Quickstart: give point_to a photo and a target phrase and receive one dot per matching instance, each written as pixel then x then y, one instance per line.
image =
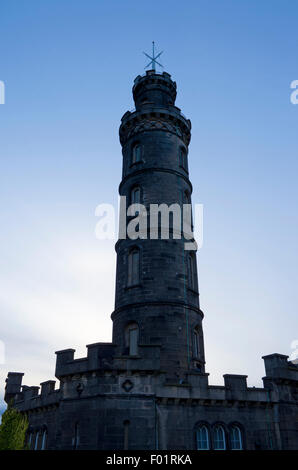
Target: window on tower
pixel 136 153
pixel 183 158
pixel 196 343
pixel 133 277
pixel 132 339
pixel 135 195
pixel 191 268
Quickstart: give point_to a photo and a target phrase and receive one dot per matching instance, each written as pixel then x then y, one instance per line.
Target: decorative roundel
pixel 127 385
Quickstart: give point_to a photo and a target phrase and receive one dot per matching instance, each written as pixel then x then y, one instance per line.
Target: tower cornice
pixel 187 306
pixel 155 169
pixel 151 118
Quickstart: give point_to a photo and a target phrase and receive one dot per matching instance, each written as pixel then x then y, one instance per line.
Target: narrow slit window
pixel 183 158
pixel 133 341
pixel 136 153
pixel 191 272
pixel 126 434
pixel 76 439
pixel 134 268
pixel 196 343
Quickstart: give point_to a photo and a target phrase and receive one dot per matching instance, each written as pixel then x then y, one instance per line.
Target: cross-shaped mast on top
pixel 153 60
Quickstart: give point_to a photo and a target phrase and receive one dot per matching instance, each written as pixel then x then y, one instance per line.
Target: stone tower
pixel 157 298
pixel 148 388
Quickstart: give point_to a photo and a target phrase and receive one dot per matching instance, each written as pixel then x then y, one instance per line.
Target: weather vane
pixel 153 60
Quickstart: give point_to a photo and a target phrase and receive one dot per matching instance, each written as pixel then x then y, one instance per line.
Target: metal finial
pixel 153 60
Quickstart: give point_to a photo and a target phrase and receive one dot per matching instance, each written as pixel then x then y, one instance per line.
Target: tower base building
pixel 148 388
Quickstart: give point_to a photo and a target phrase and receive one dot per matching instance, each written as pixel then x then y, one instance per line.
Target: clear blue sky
pixel 68 67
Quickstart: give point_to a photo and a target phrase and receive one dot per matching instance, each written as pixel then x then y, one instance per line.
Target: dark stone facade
pixel 156 396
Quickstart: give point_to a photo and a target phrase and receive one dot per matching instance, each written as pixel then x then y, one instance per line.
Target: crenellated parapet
pixel 13 384
pixel 118 374
pixel 154 95
pixel 26 398
pixel 106 356
pixel 154 88
pixel 282 377
pixel 278 367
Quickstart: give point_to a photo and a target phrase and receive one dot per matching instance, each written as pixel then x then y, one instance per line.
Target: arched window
pixel 135 195
pixel 134 267
pixel 183 158
pixel 202 438
pixel 191 271
pixel 44 440
pixel 196 343
pixel 36 440
pixel 30 436
pixel 136 153
pixel 219 438
pixel 132 339
pixel 236 438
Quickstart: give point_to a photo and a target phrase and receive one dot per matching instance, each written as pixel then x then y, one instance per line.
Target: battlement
pixel 28 397
pixel 124 374
pixel 13 385
pixel 196 390
pixel 99 355
pixel 154 88
pixel 153 74
pixel 277 366
pixel 103 356
pixel 47 387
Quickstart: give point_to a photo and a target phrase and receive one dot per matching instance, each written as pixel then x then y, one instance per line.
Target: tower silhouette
pixel 162 301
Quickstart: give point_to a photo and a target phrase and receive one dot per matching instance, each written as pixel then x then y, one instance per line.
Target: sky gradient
pixel 68 68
